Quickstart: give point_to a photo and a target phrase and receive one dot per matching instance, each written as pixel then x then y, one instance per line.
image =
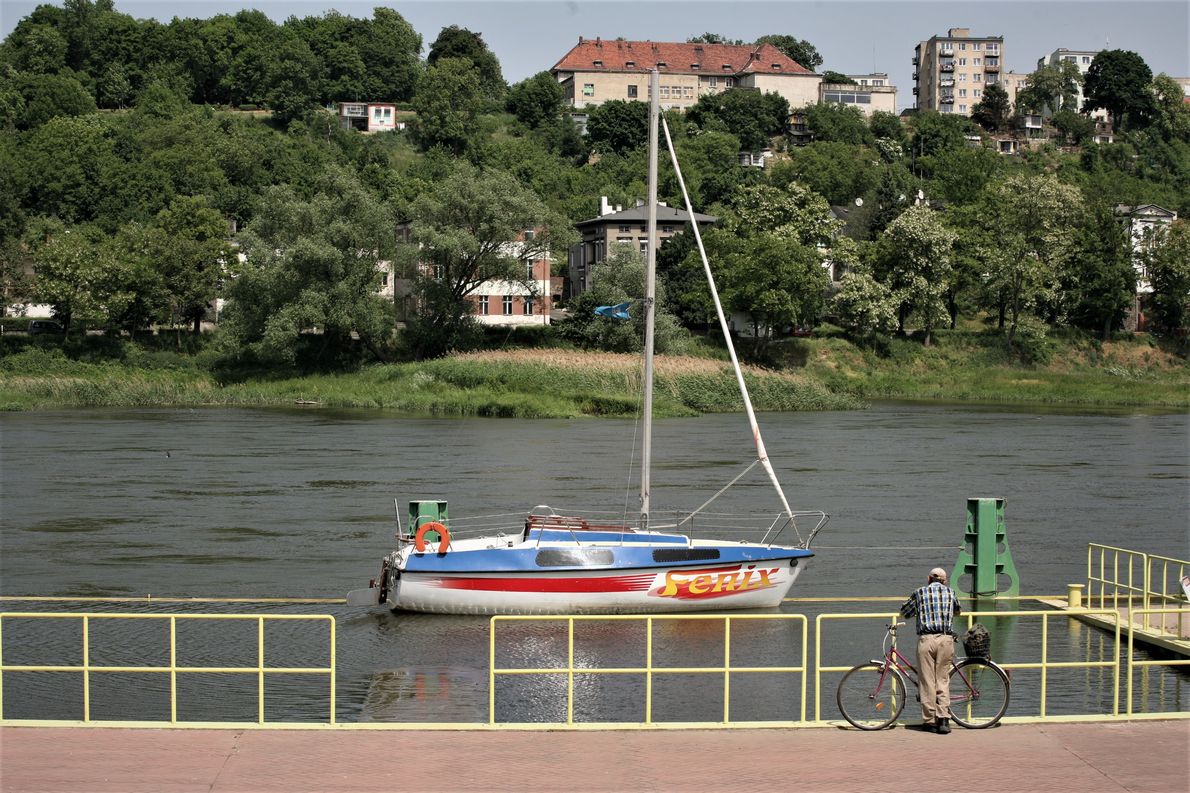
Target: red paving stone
pixel 1137 756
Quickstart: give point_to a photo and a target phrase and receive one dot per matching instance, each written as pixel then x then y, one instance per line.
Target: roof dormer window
pixel 727 67
pixel 660 64
pixel 598 62
pixel 776 67
pixel 695 66
pixel 630 64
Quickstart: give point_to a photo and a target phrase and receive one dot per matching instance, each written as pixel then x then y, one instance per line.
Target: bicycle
pixel 871 696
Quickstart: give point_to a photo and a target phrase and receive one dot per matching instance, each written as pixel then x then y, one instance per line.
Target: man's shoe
pixel 943 727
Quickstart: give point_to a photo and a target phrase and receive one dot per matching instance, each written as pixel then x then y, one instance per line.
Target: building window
pixel 598 62
pixel 976 61
pixel 665 92
pixel 527 306
pixel 668 229
pixel 632 92
pixel 963 92
pixel 530 234
pixel 962 61
pixel 624 229
pixel 962 45
pixel 688 91
pixel 977 93
pixel 977 46
pixel 962 108
pixel 963 77
pixel 1086 59
pixel 728 81
pixel 508 305
pixel 644 246
pixel 483 305
pixel 623 239
pixel 630 64
pixel 977 77
pixel 713 82
pixel 588 89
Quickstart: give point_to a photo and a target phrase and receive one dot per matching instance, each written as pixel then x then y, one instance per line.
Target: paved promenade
pixel 1138 756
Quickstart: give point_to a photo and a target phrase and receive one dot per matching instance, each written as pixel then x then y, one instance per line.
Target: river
pixel 299 503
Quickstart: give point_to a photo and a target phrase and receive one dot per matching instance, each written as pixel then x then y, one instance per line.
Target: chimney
pixel 604 207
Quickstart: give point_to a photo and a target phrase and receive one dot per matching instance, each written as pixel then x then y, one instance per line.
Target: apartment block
pixel 595 71
pixel 950 72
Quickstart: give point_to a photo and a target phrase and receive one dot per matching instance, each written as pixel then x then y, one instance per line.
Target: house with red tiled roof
pixel 597 71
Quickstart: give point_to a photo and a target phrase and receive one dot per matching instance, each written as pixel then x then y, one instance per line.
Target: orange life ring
pixel 419 541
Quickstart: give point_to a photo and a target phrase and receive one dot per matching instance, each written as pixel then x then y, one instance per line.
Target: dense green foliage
pixel 148 169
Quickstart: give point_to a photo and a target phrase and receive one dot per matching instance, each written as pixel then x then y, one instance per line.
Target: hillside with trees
pixel 152 171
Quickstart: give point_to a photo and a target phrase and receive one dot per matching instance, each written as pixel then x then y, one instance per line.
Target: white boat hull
pixel 661 590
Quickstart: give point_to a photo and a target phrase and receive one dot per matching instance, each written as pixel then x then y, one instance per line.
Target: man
pixel 935 606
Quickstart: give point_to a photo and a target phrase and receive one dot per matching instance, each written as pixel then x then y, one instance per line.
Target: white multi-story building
pixel 869 92
pixel 950 72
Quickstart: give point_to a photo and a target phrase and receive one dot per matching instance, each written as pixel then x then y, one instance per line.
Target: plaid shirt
pixel 935 606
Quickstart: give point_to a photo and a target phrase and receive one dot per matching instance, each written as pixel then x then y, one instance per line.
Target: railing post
pixel 805 657
pixel 260 670
pixel 173 670
pixel 727 670
pixel 492 670
pixel 1045 633
pixel 570 671
pixel 334 673
pixel 649 670
pixel 86 668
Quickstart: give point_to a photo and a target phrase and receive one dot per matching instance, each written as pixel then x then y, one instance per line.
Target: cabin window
pixel 580 557
pixel 665 555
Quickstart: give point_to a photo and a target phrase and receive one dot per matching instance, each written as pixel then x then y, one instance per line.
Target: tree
pixel 620 278
pixel 803 52
pixel 959 175
pixel 467 229
pixel 1118 81
pixel 69 162
pixel 618 126
pixel 190 260
pixel 887 125
pixel 312 264
pixel 457 42
pixel 47 96
pixel 391 49
pixel 80 274
pixel 712 38
pixel 1168 265
pixel 291 79
pixel 447 104
pixel 1101 280
pixel 754 118
pixel 837 123
pixel 35 48
pixel 1050 88
pixel 934 132
pixel 836 78
pixel 1076 128
pixel 840 172
pixel 536 101
pixel 864 306
pixel 1172 117
pixel 917 257
pixel 993 110
pixel 1036 219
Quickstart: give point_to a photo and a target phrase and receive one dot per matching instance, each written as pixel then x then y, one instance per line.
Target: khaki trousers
pixel 935 651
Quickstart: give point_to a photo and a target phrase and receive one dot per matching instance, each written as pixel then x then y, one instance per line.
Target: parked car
pixel 38 327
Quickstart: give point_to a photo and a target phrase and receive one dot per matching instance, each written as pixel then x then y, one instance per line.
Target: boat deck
pixel 1088 757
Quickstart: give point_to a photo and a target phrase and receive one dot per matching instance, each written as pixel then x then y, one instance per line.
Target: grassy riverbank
pixel 811 374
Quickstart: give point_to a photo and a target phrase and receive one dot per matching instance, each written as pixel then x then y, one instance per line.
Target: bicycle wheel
pixel 871 696
pixel 978 693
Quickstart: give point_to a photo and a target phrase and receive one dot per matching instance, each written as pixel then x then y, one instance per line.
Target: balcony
pixel 946 67
pixel 946 82
pixel 915 90
pixel 991 67
pixel 946 50
pixel 947 100
pixel 915 63
pixel 915 77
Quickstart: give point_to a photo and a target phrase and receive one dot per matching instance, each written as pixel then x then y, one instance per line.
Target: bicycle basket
pixel 977 642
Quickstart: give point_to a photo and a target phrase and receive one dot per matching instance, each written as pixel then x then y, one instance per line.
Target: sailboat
pixel 555 563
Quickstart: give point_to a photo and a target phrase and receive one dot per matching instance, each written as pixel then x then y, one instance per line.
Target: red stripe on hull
pixel 636 583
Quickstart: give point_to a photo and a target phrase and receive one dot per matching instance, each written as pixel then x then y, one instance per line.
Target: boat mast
pixel 650 299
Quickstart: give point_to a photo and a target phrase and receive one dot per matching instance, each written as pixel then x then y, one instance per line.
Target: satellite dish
pixel 920 195
pixel 859 202
pixel 901 198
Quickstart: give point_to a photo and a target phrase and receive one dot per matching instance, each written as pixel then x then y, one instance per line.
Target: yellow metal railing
pixel 727 669
pixel 1045 664
pixel 87 669
pixel 1163 589
pixel 1130 584
pixel 1183 611
pixel 1138 581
